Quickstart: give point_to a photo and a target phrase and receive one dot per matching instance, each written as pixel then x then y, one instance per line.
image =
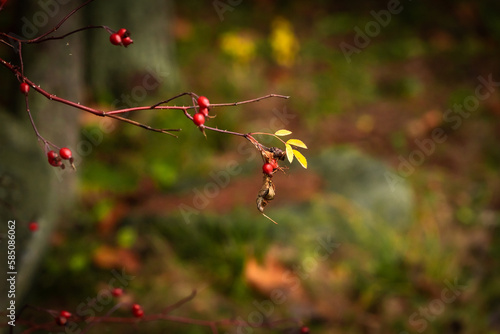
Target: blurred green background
pixel 389 230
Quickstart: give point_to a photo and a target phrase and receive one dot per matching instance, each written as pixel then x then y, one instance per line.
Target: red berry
pixel 65 314
pixel 65 153
pixel 24 87
pixel 33 226
pixel 55 162
pixel 61 321
pixel 115 39
pixel 273 163
pixel 127 41
pixel 117 292
pixel 138 313
pixel 267 168
pixel 136 307
pixel 51 155
pixel 203 102
pixel 204 111
pixel 304 330
pixel 199 119
pixel 122 32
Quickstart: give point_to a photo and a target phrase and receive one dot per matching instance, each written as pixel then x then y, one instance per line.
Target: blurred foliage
pixel 397 249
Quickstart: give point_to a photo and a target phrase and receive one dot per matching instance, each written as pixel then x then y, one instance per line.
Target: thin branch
pixel 249 101
pixel 178 304
pixel 57 26
pixel 172 98
pixel 144 126
pixel 68 34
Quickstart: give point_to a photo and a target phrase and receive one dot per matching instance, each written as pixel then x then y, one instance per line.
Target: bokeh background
pixel 393 227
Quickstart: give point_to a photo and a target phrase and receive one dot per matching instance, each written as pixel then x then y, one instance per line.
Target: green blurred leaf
pixel 126 237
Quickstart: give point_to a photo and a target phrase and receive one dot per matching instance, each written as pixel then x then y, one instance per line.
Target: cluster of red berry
pixel 270 167
pixel 63 317
pixel 56 159
pixel 137 311
pixel 122 37
pixel 199 117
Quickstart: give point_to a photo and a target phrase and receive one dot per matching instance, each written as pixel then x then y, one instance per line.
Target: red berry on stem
pixel 56 162
pixel 127 41
pixel 51 155
pixel 273 163
pixel 65 153
pixel 204 111
pixel 267 168
pixel 115 39
pixel 136 307
pixel 122 32
pixel 65 314
pixel 304 330
pixel 24 87
pixel 117 292
pixel 138 313
pixel 203 102
pixel 33 226
pixel 199 119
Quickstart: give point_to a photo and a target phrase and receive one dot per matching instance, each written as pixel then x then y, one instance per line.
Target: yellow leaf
pixel 300 158
pixel 282 132
pixel 296 142
pixel 289 152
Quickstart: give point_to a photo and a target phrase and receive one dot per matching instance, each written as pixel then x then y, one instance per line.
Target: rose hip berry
pixel 33 226
pixel 54 159
pixel 115 39
pixel 52 155
pixel 65 314
pixel 117 292
pixel 24 88
pixel 267 168
pixel 137 310
pixel 273 163
pixel 199 119
pixel 65 153
pixel 127 41
pixel 122 32
pixel 304 330
pixel 138 313
pixel 203 102
pixel 204 111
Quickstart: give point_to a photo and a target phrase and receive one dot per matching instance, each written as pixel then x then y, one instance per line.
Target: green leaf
pixel 283 132
pixel 289 152
pixel 300 158
pixel 296 142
